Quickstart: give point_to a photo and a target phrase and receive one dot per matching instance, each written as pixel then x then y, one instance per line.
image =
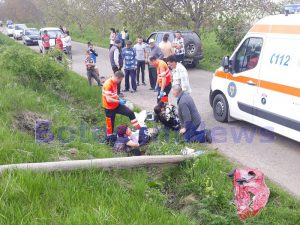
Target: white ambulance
pixel 260 82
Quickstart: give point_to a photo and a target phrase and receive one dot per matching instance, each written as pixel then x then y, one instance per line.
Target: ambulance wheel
pixel 220 107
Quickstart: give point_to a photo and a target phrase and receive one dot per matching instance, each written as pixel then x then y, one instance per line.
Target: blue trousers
pixel 192 135
pixel 132 75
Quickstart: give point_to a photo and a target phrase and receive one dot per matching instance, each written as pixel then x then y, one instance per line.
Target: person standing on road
pixel 164 79
pixel 178 45
pixel 116 60
pixel 126 35
pixel 189 117
pixel 68 42
pixel 141 56
pixel 154 52
pixel 166 47
pixel 90 69
pixel 123 37
pixel 46 42
pixel 112 37
pixel 179 74
pixel 114 105
pixel 129 54
pixel 94 55
pixel 118 36
pixel 59 43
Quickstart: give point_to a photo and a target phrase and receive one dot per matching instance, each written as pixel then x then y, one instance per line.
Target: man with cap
pixel 154 51
pixel 116 60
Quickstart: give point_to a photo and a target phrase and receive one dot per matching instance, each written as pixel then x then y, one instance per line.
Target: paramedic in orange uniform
pixel 113 104
pixel 163 79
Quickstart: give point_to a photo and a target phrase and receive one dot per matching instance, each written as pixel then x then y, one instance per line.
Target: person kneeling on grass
pixel 167 115
pixel 190 118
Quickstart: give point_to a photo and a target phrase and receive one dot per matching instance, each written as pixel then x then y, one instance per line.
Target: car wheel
pixel 190 49
pixel 220 108
pixel 195 63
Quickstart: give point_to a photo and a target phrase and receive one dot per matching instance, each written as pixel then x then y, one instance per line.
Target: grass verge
pixel 196 192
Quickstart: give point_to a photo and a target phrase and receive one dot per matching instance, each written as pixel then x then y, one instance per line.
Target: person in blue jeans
pixel 129 56
pixel 189 117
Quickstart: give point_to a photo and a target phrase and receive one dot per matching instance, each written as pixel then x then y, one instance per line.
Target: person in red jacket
pixel 46 42
pixel 59 43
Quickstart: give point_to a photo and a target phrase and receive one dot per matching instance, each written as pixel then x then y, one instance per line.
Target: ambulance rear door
pixel 277 104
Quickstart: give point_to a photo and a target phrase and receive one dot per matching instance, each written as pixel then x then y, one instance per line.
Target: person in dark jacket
pixel 116 60
pixel 167 115
pixel 189 117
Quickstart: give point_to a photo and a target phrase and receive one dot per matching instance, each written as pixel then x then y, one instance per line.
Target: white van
pixel 260 82
pixel 52 32
pixel 18 31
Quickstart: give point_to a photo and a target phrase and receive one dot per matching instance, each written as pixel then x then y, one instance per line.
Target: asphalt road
pixel 278 159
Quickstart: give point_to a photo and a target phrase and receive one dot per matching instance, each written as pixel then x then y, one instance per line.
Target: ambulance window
pixel 248 55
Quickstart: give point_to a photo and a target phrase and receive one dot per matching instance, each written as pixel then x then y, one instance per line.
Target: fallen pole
pixel 105 163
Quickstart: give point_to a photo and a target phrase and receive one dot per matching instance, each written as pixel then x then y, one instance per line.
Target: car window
pixel 247 56
pixel 54 33
pixel 153 36
pixel 31 32
pixel 18 28
pixel 161 35
pixel 10 27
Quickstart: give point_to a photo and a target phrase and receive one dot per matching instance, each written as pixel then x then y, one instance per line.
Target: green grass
pixel 197 192
pixel 213 52
pixel 89 34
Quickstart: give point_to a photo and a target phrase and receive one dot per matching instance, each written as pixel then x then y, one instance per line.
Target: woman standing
pixel 112 37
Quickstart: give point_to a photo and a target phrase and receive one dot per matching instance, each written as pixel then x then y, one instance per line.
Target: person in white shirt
pixel 68 43
pixel 141 56
pixel 179 74
pixel 112 37
pixel 178 45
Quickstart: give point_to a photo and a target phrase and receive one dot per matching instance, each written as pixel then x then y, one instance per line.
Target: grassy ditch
pixel 196 192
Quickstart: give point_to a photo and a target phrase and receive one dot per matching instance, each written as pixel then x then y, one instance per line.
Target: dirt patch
pixel 25 121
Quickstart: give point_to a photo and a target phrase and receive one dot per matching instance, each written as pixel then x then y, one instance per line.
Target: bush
pixel 29 65
pixel 231 31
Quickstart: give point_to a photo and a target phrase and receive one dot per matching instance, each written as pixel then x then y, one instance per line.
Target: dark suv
pixel 192 42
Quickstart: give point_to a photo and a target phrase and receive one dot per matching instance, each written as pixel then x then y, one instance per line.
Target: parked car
pixel 19 31
pixel 9 22
pixel 31 36
pixel 192 44
pixel 10 30
pixel 52 32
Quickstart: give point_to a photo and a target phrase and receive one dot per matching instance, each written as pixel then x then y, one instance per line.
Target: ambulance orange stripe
pixel 261 83
pixel 276 29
